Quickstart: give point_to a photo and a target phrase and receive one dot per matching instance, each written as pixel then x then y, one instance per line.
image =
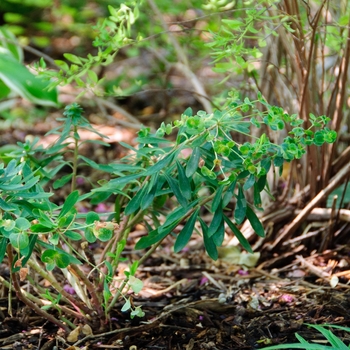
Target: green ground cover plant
pixel 191 165
pixel 154 185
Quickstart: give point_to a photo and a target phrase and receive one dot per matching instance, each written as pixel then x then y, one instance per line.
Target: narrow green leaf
pixel 18 78
pixel 217 199
pixel 261 182
pixel 148 198
pixel 185 185
pixel 216 221
pixel 249 183
pixel 72 58
pixel 6 206
pixel 36 228
pixel 154 237
pixel 74 236
pixel 200 140
pixel 178 214
pixel 121 181
pixel 255 222
pixel 219 235
pixel 152 140
pixel 186 233
pixel 241 206
pixel 3 245
pixel 228 194
pixel 174 185
pixel 209 244
pixel 135 202
pixel 257 196
pixel 62 181
pixel 103 167
pixel 160 165
pixel 245 244
pixel 69 203
pixel 192 164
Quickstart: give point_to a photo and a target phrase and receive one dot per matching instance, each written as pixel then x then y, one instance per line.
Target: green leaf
pixel 219 235
pixel 104 234
pixel 228 194
pixel 217 199
pixel 89 235
pixel 148 198
pixel 186 233
pixel 91 217
pixel 160 165
pixel 6 206
pixel 261 183
pixel 74 236
pixel 209 244
pixel 136 284
pixel 192 164
pixel 257 197
pixel 9 42
pixel 152 140
pixel 126 306
pixel 69 203
pixel 241 206
pixel 36 228
pixel 245 244
pixel 62 181
pixel 216 221
pixel 121 181
pixel 3 245
pixel 21 81
pixel 72 58
pixel 249 183
pixel 255 222
pixel 184 183
pixel 110 168
pixel 27 251
pixel 188 112
pixel 136 201
pixel 200 140
pixel 54 257
pixel 178 214
pixel 174 185
pixel 22 224
pixel 154 237
pixel 19 240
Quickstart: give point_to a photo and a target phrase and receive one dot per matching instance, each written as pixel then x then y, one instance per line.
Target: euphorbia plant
pixel 156 185
pixel 164 188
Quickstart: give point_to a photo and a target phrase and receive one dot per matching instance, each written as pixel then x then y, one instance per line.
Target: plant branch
pixel 27 301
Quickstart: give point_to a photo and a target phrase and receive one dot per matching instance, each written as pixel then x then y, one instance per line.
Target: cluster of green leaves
pixel 34 226
pixel 228 46
pixel 16 78
pixel 164 182
pixel 114 33
pixel 156 181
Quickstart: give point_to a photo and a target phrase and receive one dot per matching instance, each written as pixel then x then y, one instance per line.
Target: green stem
pixel 45 275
